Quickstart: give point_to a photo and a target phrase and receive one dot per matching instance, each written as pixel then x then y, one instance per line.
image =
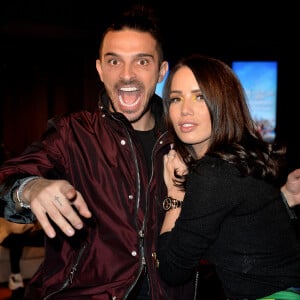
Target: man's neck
pixel 146 123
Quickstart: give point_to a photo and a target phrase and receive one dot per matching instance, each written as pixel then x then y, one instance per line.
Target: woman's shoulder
pixel 214 162
pixel 215 167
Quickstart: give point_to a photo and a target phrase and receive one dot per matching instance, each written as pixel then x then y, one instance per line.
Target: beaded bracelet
pixel 19 193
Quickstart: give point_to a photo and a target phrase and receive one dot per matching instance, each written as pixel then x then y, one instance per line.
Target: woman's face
pixel 188 111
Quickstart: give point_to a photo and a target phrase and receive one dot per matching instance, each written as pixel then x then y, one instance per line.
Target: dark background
pixel 48 52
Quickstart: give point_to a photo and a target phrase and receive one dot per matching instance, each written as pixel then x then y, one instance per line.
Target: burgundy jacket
pixel 100 155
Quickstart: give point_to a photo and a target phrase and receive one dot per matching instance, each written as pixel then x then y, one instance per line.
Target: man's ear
pixel 99 68
pixel 164 67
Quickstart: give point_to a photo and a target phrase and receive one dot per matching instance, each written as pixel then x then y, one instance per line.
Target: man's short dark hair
pixel 138 17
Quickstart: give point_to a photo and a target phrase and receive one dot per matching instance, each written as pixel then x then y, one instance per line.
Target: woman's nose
pixel 187 106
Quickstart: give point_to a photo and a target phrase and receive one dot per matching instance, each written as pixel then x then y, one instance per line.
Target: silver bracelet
pixel 20 190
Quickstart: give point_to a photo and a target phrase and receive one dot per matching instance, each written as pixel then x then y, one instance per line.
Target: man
pixel 105 166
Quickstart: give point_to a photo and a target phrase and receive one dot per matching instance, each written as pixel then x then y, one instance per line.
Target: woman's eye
pixel 174 99
pixel 198 97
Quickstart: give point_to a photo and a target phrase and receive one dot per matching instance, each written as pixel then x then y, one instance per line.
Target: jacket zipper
pixel 71 275
pixel 140 231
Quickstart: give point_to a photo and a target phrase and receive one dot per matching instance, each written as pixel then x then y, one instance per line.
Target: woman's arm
pixel 172 162
pixel 291 189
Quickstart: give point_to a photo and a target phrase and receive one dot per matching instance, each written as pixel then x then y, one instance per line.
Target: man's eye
pixel 113 62
pixel 143 62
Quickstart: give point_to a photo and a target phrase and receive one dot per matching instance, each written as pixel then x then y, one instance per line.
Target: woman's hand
pixel 173 164
pixel 291 189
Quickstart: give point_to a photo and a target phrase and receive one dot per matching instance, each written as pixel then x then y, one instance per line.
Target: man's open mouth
pixel 129 96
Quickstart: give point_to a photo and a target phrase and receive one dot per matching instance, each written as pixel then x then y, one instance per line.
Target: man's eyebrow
pixel 137 55
pixel 145 54
pixel 110 54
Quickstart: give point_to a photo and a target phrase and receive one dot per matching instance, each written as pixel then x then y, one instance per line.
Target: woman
pixel 15 237
pixel 232 213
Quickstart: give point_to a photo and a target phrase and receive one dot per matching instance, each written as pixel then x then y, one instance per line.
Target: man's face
pixel 129 69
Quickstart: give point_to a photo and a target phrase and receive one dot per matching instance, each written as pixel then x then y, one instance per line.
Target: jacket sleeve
pixel 289 209
pixel 41 158
pixel 8 208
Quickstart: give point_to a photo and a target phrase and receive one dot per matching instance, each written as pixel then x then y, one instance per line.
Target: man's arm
pixel 9 209
pixel 43 199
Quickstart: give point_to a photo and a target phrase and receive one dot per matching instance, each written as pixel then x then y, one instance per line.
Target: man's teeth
pixel 128 89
